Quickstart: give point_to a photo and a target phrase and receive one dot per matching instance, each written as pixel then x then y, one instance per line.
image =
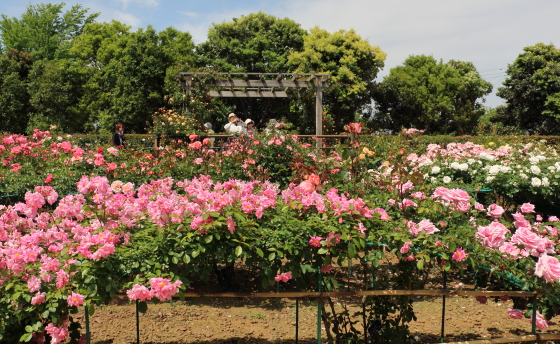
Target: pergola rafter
pixel 261 85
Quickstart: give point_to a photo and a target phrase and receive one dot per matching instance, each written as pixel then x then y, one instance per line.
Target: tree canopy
pixel 429 94
pixel 532 91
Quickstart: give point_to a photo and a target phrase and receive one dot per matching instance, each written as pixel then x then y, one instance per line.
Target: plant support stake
pixel 442 339
pixel 319 307
pixel 88 335
pixel 137 324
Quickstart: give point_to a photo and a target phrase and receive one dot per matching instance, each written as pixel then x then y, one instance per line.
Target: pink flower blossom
pixel 406 247
pixel 516 313
pixel 542 324
pixel 479 206
pixel 315 241
pixel 62 279
pixel 49 179
pixel 495 211
pixel 38 299
pixel 553 219
pixel 231 225
pixel 163 289
pixel 58 334
pixel 285 277
pixel 355 128
pixel 198 161
pixel 492 236
pixel 307 186
pixel 459 255
pixel 332 237
pixel 527 208
pixel 139 292
pixel 75 299
pixel 425 226
pixel 548 268
pixel 33 284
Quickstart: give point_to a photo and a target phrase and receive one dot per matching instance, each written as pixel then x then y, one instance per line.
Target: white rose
pixel 436 169
pixel 545 181
pixel 536 182
pixel 455 165
pixel 535 169
pixel 489 179
pixel 447 179
pixel 533 160
pixel 523 175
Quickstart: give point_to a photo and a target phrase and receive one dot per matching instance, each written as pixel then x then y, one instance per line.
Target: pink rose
pixel 406 246
pixel 548 268
pixel 553 219
pixel 315 241
pixel 38 299
pixel 492 236
pixel 495 211
pixel 459 255
pixel 524 236
pixel 307 186
pixel 75 299
pixel 542 324
pixel 516 313
pixel 479 206
pixel 139 292
pixel 528 208
pixel 285 277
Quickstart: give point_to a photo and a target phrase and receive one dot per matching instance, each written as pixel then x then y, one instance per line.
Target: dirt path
pixel 217 321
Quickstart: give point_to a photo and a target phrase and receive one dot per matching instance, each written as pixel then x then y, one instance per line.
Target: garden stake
pixel 349 271
pixel 137 324
pixel 88 335
pixel 297 314
pixel 442 339
pixel 277 291
pixel 319 307
pixel 534 320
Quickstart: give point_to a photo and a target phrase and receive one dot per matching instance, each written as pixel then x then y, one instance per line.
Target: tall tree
pixel 44 30
pixel 14 98
pixel 256 43
pixel 429 94
pixel 55 89
pixel 353 64
pixel 532 91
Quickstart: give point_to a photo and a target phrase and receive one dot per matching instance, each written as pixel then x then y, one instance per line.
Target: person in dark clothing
pixel 118 136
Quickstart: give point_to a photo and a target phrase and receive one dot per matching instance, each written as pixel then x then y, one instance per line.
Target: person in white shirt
pixel 235 125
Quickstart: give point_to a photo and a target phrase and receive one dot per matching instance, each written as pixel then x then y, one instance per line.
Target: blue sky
pixel 489 33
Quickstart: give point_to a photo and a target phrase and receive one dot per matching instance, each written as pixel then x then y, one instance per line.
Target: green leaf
pixel 195 254
pixel 420 264
pixel 142 307
pixel 238 251
pixel 208 239
pixel 28 328
pixel 272 256
pixel 175 260
pixel 91 309
pixel 323 250
pixel 26 337
pixel 351 250
pixel 186 258
pixel 260 252
pixel 265 283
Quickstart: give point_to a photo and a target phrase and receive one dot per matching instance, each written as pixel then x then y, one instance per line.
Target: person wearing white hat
pixel 235 125
pixel 250 127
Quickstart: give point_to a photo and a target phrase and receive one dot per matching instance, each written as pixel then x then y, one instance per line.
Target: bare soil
pixel 236 320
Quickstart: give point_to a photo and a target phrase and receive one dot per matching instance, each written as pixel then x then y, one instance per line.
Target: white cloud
pixel 126 18
pixel 147 3
pixel 488 33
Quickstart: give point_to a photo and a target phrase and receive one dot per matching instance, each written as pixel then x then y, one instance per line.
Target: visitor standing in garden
pixel 250 130
pixel 235 125
pixel 118 136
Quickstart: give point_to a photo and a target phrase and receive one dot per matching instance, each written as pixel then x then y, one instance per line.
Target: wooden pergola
pixel 262 85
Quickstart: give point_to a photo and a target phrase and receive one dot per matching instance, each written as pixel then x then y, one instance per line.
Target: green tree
pixel 256 43
pixel 55 89
pixel 353 64
pixel 428 94
pixel 44 30
pixel 132 73
pixel 532 91
pixel 14 98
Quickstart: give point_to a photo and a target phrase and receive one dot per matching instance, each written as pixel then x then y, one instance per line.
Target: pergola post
pixel 319 111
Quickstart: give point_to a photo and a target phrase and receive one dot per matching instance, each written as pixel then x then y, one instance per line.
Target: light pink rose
pixel 495 211
pixel 542 324
pixel 527 208
pixel 524 236
pixel 548 268
pixel 405 247
pixel 479 206
pixel 492 236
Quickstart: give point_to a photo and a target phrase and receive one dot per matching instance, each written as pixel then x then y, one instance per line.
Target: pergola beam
pixel 262 85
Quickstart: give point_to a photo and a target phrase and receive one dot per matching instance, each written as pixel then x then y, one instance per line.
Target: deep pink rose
pixel 516 313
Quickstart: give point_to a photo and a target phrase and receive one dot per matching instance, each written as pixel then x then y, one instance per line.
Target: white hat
pixel 231 115
pixel 248 120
